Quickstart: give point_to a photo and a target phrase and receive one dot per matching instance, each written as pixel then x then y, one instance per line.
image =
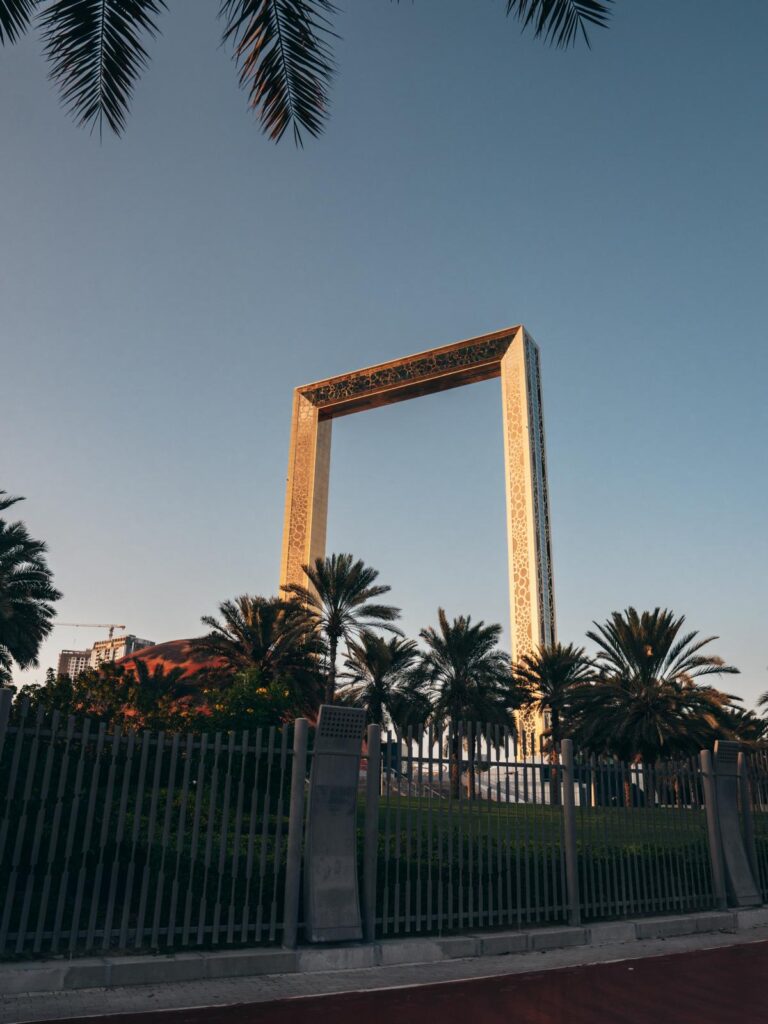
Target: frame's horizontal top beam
pixel 451 366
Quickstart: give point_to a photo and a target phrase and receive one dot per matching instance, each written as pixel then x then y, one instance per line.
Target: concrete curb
pixel 110 972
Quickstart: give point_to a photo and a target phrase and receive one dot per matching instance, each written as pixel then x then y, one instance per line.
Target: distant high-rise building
pixel 72 663
pixel 116 648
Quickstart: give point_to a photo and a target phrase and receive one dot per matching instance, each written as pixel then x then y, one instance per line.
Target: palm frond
pixel 96 55
pixel 285 61
pixel 464 673
pixel 15 16
pixel 646 701
pixel 26 592
pixel 6 499
pixel 560 22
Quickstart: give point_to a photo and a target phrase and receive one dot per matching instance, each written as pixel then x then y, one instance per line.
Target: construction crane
pixel 111 626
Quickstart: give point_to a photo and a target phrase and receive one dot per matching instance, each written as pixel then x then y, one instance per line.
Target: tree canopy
pixel 27 593
pixel 645 702
pixel 341 599
pixel 378 677
pixel 547 678
pixel 272 635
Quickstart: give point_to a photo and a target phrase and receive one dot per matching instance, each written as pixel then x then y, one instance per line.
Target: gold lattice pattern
pixel 406 371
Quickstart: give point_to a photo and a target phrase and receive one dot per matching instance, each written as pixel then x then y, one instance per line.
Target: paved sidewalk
pixel 228 991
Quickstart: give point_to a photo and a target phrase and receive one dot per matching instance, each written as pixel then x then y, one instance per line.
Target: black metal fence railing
pixel 641 838
pixel 756 765
pixel 123 840
pixel 468 837
pixel 118 841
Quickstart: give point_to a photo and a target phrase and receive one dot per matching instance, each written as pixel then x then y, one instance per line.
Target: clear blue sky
pixel 162 294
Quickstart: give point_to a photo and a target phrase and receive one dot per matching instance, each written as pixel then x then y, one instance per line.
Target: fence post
pixel 5 713
pixel 745 796
pixel 295 835
pixel 569 833
pixel 713 828
pixel 371 847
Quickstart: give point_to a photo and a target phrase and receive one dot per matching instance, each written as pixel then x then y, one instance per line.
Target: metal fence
pixel 641 838
pixel 123 840
pixel 120 841
pixel 468 837
pixel 476 831
pixel 755 798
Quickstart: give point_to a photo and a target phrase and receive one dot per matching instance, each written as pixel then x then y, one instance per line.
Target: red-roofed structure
pixel 177 654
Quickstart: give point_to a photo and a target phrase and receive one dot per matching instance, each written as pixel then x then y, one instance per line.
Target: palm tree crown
pixel 151 691
pixel 26 594
pixel 466 674
pixel 95 49
pixel 645 702
pixel 745 726
pixel 378 678
pixel 340 600
pixel 271 634
pixel 646 648
pixel 548 678
pixel 466 677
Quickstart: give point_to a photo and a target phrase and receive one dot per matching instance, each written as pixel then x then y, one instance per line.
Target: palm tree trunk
pixel 554 778
pixel 330 683
pixel 627 792
pixel 471 786
pixel 649 784
pixel 554 761
pixel 454 761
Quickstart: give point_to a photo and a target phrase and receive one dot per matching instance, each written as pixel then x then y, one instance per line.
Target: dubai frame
pixel 511 355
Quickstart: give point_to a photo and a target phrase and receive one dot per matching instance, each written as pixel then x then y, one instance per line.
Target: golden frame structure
pixel 510 354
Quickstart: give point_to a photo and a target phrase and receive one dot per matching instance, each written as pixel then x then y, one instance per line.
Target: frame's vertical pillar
pixel 537 449
pixel 306 499
pixel 530 578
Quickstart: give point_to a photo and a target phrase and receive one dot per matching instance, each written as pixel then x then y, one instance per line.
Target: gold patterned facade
pixel 511 355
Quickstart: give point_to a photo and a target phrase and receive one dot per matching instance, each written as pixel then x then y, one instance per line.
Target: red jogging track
pixel 728 985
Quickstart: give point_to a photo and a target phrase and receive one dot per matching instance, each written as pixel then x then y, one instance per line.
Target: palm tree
pixel 379 677
pixel 339 601
pixel 270 634
pixel 645 702
pixel 548 677
pixel 467 678
pixel 26 594
pixel 95 50
pixel 150 694
pixel 745 726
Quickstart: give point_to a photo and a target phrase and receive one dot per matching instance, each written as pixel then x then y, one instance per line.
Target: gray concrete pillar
pixel 569 833
pixel 371 848
pixel 741 887
pixel 295 835
pixel 709 788
pixel 331 895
